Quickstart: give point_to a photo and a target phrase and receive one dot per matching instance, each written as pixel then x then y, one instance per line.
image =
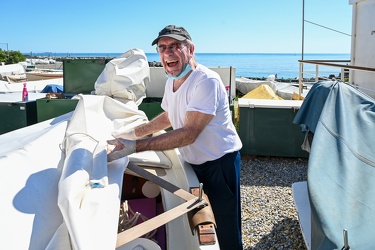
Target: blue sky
pixel 115 26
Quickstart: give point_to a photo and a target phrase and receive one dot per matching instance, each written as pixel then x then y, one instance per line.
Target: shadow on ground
pixel 285 235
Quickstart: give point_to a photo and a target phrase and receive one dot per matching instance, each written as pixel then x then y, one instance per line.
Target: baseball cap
pixel 178 33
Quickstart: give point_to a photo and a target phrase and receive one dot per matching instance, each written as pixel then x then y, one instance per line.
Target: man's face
pixel 173 55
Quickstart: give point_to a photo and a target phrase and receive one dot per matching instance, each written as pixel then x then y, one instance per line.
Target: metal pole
pixel 303 42
pixel 303 26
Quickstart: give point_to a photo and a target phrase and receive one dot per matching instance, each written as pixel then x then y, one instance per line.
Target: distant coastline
pixel 251 65
pixel 153 54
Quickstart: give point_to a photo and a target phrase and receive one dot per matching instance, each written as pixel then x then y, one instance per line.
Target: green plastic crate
pixel 16 115
pixel 50 108
pixel 266 128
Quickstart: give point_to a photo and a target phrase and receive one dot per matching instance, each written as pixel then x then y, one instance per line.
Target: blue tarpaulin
pixel 53 88
pixel 341 168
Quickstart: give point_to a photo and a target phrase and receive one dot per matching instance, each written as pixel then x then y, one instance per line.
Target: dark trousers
pixel 221 183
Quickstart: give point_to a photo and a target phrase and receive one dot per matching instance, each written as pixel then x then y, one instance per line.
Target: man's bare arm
pixel 195 122
pixel 160 122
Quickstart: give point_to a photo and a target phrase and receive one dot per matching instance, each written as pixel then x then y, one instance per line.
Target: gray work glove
pixel 122 148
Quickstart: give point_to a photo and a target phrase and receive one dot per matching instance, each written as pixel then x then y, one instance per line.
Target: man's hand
pixel 122 148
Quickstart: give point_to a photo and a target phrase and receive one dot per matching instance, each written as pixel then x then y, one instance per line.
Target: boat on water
pixel 336 204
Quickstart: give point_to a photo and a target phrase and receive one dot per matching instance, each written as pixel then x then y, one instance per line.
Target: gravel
pixel 269 216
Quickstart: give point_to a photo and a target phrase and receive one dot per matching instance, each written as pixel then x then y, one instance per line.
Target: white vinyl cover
pixel 125 77
pixel 56 189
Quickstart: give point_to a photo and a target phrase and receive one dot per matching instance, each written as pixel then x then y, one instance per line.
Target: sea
pixel 251 65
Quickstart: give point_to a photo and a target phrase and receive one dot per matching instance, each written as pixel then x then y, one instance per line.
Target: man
pixel 196 105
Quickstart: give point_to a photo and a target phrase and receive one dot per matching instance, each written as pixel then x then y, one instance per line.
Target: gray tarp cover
pixel 341 173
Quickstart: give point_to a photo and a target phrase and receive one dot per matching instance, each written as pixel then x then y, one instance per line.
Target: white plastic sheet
pixel 49 197
pixel 125 77
pixel 89 190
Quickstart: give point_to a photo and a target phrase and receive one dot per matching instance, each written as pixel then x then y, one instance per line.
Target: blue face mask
pixel 183 72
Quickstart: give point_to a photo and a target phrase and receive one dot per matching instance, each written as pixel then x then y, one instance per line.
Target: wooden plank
pixel 153 223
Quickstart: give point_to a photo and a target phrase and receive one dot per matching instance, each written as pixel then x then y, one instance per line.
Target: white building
pixel 363 45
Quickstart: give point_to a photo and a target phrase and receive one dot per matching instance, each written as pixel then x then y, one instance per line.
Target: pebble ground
pixel 269 216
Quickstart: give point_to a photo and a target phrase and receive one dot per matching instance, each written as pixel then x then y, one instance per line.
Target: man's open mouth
pixel 172 63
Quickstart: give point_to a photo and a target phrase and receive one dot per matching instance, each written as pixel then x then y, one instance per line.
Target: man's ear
pixel 191 49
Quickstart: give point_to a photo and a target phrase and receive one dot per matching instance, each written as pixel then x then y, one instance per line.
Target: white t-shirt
pixel 203 91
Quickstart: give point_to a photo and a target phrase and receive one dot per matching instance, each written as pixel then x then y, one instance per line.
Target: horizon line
pixel 297 53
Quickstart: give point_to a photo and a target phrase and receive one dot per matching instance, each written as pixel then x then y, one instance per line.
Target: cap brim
pixel 174 36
